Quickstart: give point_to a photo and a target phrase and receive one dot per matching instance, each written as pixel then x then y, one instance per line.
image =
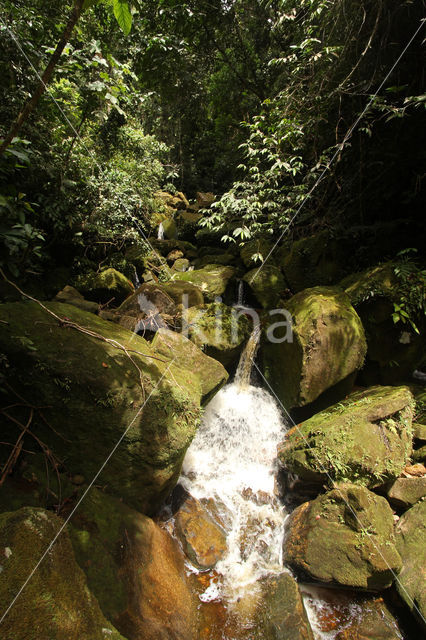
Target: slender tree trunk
pixel 45 78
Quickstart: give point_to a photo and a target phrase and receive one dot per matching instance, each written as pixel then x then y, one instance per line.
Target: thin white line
pixel 114 449
pixel 78 136
pixel 336 487
pixel 342 144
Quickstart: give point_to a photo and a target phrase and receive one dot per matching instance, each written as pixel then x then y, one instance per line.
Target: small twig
pixel 14 455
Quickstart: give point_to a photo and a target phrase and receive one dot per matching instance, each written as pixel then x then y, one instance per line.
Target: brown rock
pixel 203 540
pixel 405 492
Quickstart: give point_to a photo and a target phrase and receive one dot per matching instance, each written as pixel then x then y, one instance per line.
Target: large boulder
pixel 210 373
pixel 395 350
pixel 98 384
pixel 327 346
pixel 254 252
pixel 56 602
pixel 366 438
pixel 219 330
pixel 135 569
pixel 267 284
pixel 410 541
pixel 70 295
pixel 343 537
pixel 213 279
pixel 149 308
pixel 106 286
pixel 405 492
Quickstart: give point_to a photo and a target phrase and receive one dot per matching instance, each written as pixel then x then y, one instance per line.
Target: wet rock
pixel 210 373
pixel 267 284
pixel 69 295
pixel 106 286
pixel 202 538
pixel 350 615
pixel 343 537
pixel 282 615
pixel 135 569
pixel 219 330
pixel 212 279
pixel 405 492
pixel 410 540
pixel 366 438
pixel 93 391
pixel 56 602
pixel 327 346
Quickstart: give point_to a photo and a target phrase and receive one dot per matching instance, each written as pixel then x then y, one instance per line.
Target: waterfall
pixel 233 461
pixel 160 235
pixel 240 293
pixel 242 377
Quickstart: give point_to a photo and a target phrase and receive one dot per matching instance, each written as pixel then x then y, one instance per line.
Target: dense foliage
pixel 252 99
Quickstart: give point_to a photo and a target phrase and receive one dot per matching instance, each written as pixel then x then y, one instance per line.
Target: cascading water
pixel 232 460
pixel 160 235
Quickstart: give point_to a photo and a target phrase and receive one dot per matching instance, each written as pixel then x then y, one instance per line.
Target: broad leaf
pixel 123 15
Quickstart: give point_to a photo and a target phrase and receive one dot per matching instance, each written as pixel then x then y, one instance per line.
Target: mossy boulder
pixel 169 229
pixel 344 537
pixel 184 293
pixel 56 602
pixel 215 258
pixel 282 614
pixel 135 570
pixel 149 308
pixel 210 373
pixel 108 285
pixel 395 350
pixel 219 330
pixel 163 247
pixel 327 346
pixel 267 284
pixel 212 279
pixel 366 438
pixel 93 384
pixel 70 295
pixel 405 492
pixel 410 541
pixel 180 265
pixel 310 262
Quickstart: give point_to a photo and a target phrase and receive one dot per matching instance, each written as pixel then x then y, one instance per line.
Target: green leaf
pixel 123 15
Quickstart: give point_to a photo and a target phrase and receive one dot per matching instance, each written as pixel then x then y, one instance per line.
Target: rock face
pixel 105 286
pixel 69 295
pixel 328 346
pixel 343 537
pixel 135 569
pixel 56 602
pixel 267 284
pixel 92 392
pixel 410 541
pixel 212 279
pixel 405 492
pixel 282 613
pixel 210 373
pixel 366 438
pixel 202 538
pixel 394 350
pixel 219 330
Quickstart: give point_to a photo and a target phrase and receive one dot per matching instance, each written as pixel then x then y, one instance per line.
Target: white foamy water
pixel 233 460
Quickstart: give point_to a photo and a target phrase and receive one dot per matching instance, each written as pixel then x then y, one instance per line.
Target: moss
pixel 366 439
pixel 104 286
pixel 103 399
pixel 328 344
pixel 56 602
pixel 410 540
pixel 219 330
pixel 212 279
pixel 252 250
pixel 344 537
pixel 267 284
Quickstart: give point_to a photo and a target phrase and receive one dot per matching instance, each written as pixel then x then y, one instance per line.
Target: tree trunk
pixel 45 78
